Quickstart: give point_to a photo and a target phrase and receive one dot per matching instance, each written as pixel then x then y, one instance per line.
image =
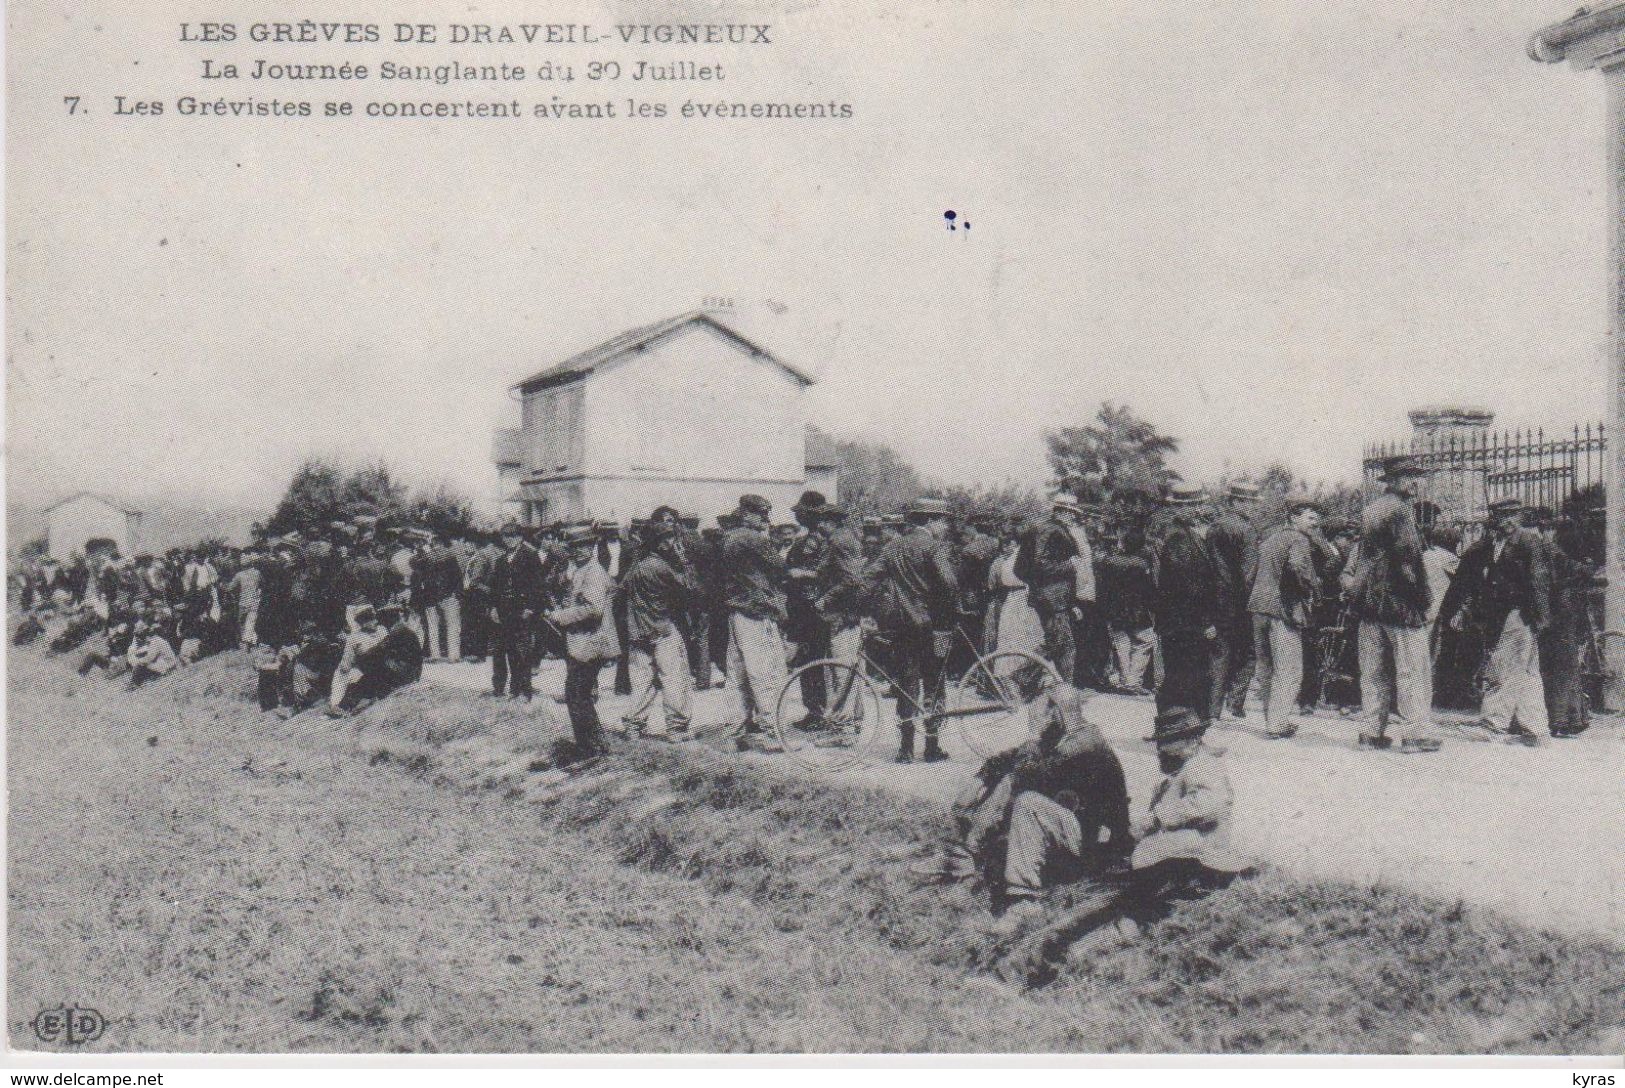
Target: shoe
pixel 1236 712
pixel 672 735
pixel 905 755
pixel 933 754
pixel 1520 735
pixel 1283 734
pixel 1016 915
pixel 1568 730
pixel 811 723
pixel 334 712
pixel 1375 742
pixel 1420 744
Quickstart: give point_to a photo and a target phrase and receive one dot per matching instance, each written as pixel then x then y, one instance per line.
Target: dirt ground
pixel 1535 834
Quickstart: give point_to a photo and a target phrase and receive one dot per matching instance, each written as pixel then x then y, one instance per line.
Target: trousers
pixel 1133 649
pixel 756 662
pixel 1234 653
pixel 1187 679
pixel 511 656
pixel 1396 676
pixel 443 626
pixel 581 700
pixel 1278 654
pixel 1512 684
pixel 659 665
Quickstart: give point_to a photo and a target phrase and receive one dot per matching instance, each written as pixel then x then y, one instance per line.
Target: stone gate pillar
pixel 1596 39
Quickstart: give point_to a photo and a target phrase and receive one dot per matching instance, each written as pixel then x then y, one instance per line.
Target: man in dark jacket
pixel 753 589
pixel 1282 607
pixel 804 627
pixel 1127 590
pixel 1187 602
pixel 657 589
pixel 1069 806
pixel 838 595
pixel 518 596
pixel 978 548
pixel 1049 562
pixel 919 599
pixel 1233 541
pixel 1503 588
pixel 1389 595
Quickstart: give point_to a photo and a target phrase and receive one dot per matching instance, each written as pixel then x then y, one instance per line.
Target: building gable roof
pixel 103 499
pixel 639 339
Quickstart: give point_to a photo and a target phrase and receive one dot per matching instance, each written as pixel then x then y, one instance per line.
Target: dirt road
pixel 1536 834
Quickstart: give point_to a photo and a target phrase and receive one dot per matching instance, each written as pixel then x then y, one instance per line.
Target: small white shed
pixel 75 521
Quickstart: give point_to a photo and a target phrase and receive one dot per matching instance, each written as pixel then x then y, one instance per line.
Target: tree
pixel 1008 501
pixel 442 508
pixel 1120 462
pixel 1119 457
pixel 314 497
pixel 874 478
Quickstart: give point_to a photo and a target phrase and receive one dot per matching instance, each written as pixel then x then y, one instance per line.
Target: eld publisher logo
pixel 68 1024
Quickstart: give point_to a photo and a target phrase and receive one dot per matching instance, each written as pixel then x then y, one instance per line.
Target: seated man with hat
pixel 1184 847
pixel 381 653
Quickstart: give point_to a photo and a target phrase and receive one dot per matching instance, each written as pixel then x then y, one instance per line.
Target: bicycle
pixel 988 701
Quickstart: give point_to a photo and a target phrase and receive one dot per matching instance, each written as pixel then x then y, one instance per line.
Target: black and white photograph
pixel 815 528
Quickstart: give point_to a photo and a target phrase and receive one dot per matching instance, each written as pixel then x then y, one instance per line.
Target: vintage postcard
pixel 815 527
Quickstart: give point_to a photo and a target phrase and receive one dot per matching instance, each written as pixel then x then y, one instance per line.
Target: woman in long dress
pixel 1010 617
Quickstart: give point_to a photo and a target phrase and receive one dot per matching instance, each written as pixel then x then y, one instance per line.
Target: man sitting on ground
pixel 1184 851
pixel 150 655
pixel 381 654
pixel 1062 797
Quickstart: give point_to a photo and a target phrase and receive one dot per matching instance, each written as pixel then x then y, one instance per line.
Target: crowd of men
pixel 1197 608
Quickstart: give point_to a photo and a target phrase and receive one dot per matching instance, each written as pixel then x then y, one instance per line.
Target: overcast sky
pixel 1270 227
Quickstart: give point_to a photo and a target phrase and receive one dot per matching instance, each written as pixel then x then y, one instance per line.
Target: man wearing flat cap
pixel 657 590
pixel 1390 596
pixel 587 618
pixel 753 589
pixel 917 601
pixel 804 628
pixel 1282 608
pixel 1233 540
pixel 1503 589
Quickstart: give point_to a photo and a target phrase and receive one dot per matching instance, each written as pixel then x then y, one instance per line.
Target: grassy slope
pixel 413 880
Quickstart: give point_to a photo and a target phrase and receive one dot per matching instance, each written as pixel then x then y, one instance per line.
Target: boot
pixel 933 751
pixel 905 749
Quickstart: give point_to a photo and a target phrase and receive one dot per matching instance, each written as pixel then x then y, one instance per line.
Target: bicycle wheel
pixel 990 701
pixel 840 737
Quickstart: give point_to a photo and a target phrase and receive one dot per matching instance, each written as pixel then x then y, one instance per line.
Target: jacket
pixel 753 575
pixel 976 557
pixel 1070 763
pixel 1187 598
pixel 587 616
pixel 656 593
pixel 1127 590
pixel 1492 588
pixel 838 589
pixel 1234 547
pixel 918 585
pixel 1190 817
pixel 1045 564
pixel 1390 585
pixel 1286 582
pixel 517 583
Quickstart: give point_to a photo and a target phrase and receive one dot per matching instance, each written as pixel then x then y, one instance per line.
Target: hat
pixel 832 512
pixel 581 534
pixel 1401 465
pixel 1244 491
pixel 1503 507
pixel 755 504
pixel 657 530
pixel 929 508
pixel 1186 496
pixel 892 521
pixel 510 528
pixel 1176 723
pixel 389 611
pixel 1064 500
pixel 365 612
pixel 872 524
pixel 1304 502
pixel 811 502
